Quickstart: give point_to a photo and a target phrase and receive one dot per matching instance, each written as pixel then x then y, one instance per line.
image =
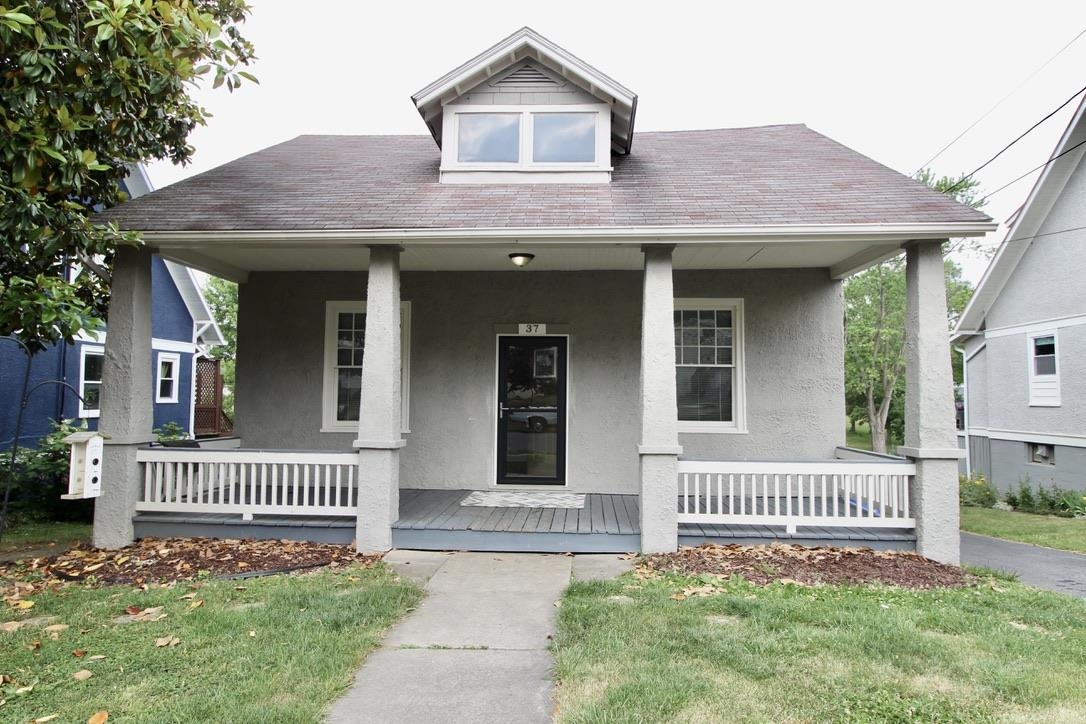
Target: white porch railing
pixel 261 482
pixel 823 493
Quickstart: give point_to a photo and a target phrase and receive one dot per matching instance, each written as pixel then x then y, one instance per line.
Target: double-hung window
pixel 1044 372
pixel 169 365
pixel 709 365
pixel 90 380
pixel 344 353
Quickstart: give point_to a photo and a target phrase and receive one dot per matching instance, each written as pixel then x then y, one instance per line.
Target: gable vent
pixel 527 75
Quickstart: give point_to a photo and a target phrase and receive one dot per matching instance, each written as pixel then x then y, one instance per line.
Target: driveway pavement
pixel 476 649
pixel 1054 570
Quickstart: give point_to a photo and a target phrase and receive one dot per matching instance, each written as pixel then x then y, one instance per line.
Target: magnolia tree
pixel 87 87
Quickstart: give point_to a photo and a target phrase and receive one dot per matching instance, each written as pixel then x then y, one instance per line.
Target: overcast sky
pixel 896 83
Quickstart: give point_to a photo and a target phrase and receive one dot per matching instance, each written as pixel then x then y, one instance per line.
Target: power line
pixel 1003 150
pixel 1035 236
pixel 1027 173
pixel 987 113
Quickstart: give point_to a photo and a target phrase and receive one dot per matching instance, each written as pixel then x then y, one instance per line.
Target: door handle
pixel 502 409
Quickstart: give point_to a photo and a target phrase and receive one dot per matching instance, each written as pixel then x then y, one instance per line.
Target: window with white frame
pixel 167 372
pixel 527 138
pixel 90 380
pixel 709 365
pixel 344 351
pixel 1044 371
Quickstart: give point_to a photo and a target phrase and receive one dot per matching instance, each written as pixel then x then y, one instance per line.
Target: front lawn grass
pixel 1068 534
pixel 999 651
pixel 861 439
pixel 278 648
pixel 57 536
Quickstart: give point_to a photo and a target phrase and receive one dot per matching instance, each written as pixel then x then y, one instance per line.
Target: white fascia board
pixel 575 236
pixel 501 55
pixel 197 305
pixel 1027 223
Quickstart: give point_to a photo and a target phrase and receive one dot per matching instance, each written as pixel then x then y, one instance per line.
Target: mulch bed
pixel 164 560
pixel 765 564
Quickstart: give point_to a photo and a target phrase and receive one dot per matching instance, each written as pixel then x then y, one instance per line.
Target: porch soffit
pixel 841 256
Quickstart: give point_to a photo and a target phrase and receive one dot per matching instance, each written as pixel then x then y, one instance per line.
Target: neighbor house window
pixel 169 365
pixel 708 365
pixel 344 354
pixel 1044 374
pixel 90 380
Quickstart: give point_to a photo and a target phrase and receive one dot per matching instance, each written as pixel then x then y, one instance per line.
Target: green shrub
pixel 1051 500
pixel 1026 501
pixel 170 431
pixel 976 492
pixel 1073 502
pixel 40 477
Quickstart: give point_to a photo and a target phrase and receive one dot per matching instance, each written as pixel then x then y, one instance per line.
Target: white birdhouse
pixel 85 469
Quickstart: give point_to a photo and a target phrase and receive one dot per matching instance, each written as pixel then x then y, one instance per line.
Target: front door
pixel 532 410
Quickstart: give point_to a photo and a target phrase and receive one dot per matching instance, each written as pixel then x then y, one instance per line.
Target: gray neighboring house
pixel 535 329
pixel 1024 335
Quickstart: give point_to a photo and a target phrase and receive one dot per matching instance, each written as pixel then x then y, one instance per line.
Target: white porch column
pixel 930 438
pixel 379 426
pixel 659 448
pixel 125 401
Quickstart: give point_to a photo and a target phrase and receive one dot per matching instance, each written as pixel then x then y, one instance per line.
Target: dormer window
pixel 527 144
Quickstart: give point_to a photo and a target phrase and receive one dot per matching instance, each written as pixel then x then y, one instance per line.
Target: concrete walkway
pixel 1058 571
pixel 476 649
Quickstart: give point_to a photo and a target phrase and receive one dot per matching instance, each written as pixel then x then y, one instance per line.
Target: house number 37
pixel 533 328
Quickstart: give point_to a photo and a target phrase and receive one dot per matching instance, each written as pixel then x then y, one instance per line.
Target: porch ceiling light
pixel 521 259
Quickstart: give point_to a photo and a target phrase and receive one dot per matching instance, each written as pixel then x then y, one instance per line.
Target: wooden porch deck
pixel 435 520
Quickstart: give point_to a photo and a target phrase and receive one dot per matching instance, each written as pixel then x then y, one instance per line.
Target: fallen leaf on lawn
pixel 167 641
pixel 122 560
pixel 11 626
pixel 34 645
pixel 55 629
pixel 197 603
pixel 82 674
pixel 678 597
pixel 43 719
pixel 99 717
pixel 97 657
pixel 25 689
pixel 132 610
pixel 79 653
pixel 188 597
pixel 92 569
pixel 239 588
pixel 23 605
pixel 252 634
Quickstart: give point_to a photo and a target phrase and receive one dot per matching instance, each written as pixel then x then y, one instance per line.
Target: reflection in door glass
pixel 532 417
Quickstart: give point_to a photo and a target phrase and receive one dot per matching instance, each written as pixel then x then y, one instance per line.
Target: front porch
pixel 314 496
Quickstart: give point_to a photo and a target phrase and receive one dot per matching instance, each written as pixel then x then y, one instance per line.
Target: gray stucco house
pixel 535 329
pixel 1024 335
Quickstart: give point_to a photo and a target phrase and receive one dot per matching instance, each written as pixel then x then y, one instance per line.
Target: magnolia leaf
pixel 11 626
pixel 43 719
pixel 96 657
pixel 167 641
pixel 79 653
pixel 99 717
pixel 82 674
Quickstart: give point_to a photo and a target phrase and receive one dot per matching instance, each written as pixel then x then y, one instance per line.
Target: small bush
pixel 976 492
pixel 1051 500
pixel 1074 503
pixel 170 431
pixel 1025 500
pixel 40 477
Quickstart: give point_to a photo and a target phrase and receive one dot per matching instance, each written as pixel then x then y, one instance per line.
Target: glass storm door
pixel 531 410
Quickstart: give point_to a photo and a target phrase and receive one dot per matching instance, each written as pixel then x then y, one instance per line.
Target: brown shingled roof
pixel 729 177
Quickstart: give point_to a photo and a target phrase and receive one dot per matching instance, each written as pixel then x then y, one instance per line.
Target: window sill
pixel 713 428
pixel 1045 404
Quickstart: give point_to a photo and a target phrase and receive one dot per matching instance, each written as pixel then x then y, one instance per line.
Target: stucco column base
pixel 114 508
pixel 659 503
pixel 378 498
pixel 933 501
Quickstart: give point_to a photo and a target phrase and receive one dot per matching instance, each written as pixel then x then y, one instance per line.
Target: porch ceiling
pixel 840 257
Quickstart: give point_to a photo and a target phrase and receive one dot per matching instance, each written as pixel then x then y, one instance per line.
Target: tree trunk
pixel 876 418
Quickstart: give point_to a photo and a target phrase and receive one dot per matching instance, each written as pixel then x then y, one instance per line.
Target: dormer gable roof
pixel 526 44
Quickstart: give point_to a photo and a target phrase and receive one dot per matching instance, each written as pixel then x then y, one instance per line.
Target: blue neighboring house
pixel 182 330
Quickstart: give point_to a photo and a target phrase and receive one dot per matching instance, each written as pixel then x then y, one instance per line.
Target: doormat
pixel 516 499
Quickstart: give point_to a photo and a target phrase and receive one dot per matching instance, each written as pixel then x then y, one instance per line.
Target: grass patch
pixel 786 653
pixel 279 648
pixel 40 535
pixel 861 439
pixel 1068 534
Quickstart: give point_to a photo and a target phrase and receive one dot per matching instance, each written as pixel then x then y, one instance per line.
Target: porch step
pixel 318 529
pixel 897 539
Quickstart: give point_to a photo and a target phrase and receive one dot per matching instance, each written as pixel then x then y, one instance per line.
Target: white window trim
pixel 175 358
pixel 1036 379
pixel 329 423
pixel 450 135
pixel 738 425
pixel 84 351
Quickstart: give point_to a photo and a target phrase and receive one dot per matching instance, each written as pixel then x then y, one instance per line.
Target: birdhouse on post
pixel 85 469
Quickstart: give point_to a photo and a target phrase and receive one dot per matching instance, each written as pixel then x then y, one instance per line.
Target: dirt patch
pixel 765 564
pixel 171 559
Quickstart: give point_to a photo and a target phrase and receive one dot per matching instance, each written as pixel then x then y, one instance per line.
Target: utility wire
pixel 987 113
pixel 1027 173
pixel 1035 236
pixel 1003 150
